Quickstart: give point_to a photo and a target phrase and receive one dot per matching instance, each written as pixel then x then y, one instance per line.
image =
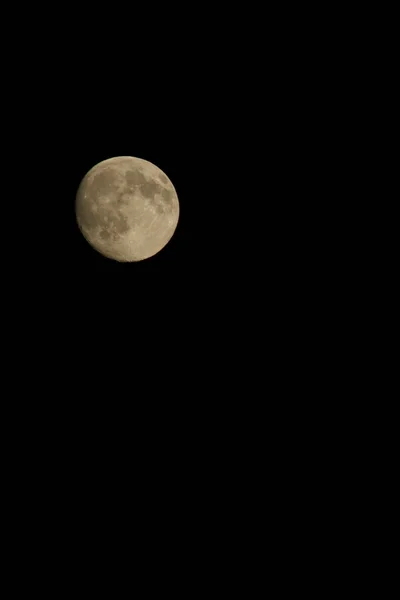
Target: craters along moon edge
pixel 127 208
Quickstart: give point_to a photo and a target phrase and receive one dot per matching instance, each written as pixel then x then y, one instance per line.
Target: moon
pixel 127 208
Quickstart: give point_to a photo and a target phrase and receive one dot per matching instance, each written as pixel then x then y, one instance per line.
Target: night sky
pixel 188 307
pixel 169 394
pixel 229 126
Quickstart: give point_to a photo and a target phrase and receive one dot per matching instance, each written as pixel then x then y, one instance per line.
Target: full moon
pixel 127 208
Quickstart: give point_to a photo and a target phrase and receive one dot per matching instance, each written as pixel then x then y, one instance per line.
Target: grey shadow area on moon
pixel 127 208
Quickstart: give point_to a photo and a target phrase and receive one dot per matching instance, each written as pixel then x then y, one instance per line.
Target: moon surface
pixel 127 208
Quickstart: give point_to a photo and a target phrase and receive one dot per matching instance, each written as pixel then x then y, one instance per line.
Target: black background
pixel 223 116
pixel 233 110
pixel 110 338
pixel 168 394
pixel 126 374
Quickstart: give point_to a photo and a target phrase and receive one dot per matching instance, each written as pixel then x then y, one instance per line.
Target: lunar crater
pixel 135 177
